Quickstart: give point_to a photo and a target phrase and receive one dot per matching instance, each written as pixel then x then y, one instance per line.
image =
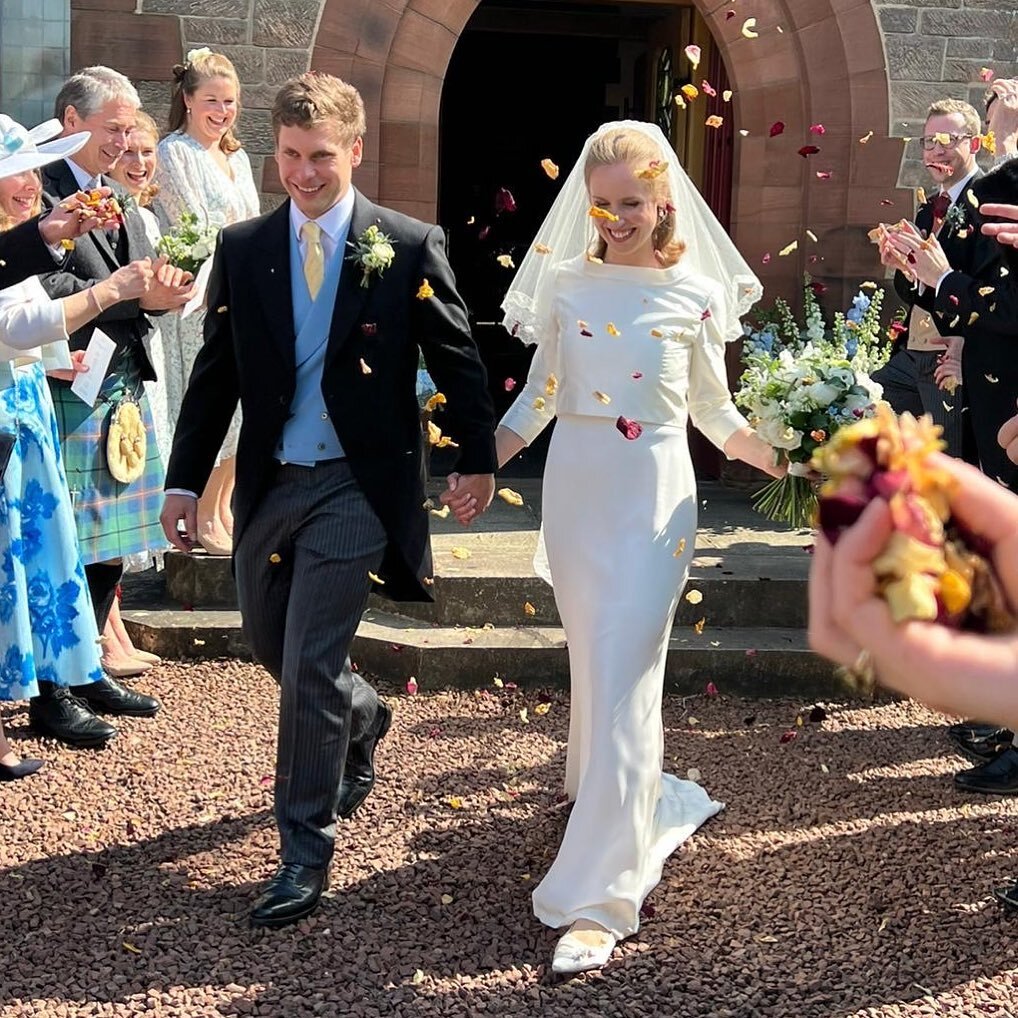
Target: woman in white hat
pixel 47 626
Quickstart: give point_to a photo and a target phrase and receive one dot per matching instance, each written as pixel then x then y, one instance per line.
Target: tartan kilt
pixel 113 519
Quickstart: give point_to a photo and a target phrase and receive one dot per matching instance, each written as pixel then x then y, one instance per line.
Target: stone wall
pixel 268 42
pixel 935 49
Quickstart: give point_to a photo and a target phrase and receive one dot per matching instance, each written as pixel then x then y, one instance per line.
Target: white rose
pixel 779 436
pixel 200 251
pixel 382 252
pixel 822 393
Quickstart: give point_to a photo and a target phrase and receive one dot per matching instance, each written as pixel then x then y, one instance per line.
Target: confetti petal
pixel 510 497
pixel 817 129
pixel 425 291
pixel 864 140
pixel 612 330
pixel 506 261
pixel 679 548
pixel 749 29
pixel 693 55
pixel 510 384
pixel 726 95
pixel 504 201
pixel 714 121
pixel 986 74
pixel 778 127
pixel 375 578
pixel 529 609
pixel 629 429
pixel 690 92
pixel 365 367
pixel 711 690
pixel 602 397
pixel 411 686
pixel 808 150
pixel 595 213
pixel 694 596
pixel 788 249
pixel 549 168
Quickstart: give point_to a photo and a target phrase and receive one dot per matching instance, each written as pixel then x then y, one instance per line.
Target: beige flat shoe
pixel 127 668
pixel 587 945
pixel 145 657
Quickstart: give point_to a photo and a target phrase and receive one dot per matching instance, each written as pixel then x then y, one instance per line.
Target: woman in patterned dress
pixel 47 626
pixel 203 170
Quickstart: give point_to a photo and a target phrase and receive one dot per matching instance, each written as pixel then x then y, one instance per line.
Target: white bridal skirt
pixel 615 513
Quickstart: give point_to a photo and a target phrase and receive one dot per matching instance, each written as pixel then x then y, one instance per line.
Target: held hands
pixel 71 218
pixel 169 289
pixel 962 673
pixel 890 256
pixel 949 364
pixel 183 510
pixel 468 495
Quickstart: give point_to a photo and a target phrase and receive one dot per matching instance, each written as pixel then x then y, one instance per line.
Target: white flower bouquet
pixel 189 244
pixel 801 385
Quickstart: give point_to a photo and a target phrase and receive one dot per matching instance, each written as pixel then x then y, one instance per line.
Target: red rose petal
pixel 766 258
pixel 808 150
pixel 504 201
pixel 369 328
pixel 778 127
pixel 629 429
pixel 788 736
pixel 708 88
pixel 510 384
pixel 817 129
pixel 711 689
pixel 823 174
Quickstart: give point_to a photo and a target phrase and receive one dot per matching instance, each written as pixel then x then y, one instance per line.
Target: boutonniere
pixel 955 217
pixel 373 252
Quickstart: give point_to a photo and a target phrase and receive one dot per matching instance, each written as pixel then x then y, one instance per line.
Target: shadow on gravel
pixel 816 893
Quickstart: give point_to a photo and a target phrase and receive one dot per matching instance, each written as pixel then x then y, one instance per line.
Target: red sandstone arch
pixel 827 65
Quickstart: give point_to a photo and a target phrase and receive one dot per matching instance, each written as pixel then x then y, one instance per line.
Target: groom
pixel 320 345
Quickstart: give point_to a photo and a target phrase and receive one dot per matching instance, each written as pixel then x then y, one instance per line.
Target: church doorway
pixel 544 74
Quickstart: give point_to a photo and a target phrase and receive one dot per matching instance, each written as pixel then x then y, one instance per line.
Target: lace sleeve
pixel 177 177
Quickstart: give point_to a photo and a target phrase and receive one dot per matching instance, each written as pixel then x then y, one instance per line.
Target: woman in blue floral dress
pixel 47 625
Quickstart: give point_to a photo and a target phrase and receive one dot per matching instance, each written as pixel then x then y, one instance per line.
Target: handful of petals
pixel 931 567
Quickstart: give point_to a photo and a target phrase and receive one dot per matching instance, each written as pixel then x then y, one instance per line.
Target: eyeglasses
pixel 928 142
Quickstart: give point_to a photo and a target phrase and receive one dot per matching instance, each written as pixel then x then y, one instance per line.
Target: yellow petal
pixel 698 626
pixel 694 596
pixel 538 403
pixel 748 29
pixel 542 708
pixel 275 559
pixel 523 716
pixel 542 249
pixel 955 591
pixel 529 609
pixel 550 385
pixel 455 801
pixel 788 249
pixel 365 367
pixel 690 92
pixel 714 121
pixel 130 947
pixel 602 397
pixel 506 261
pixel 447 899
pixel 913 597
pixel 972 199
pixel 434 433
pixel 727 95
pixel 596 213
pixel 612 330
pixel 461 553
pixel 985 291
pixel 437 400
pixel 812 236
pixel 510 497
pixel 657 333
pixel 440 513
pixel 425 291
pixel 679 548
pixel 865 138
pixel 375 578
pixel 550 168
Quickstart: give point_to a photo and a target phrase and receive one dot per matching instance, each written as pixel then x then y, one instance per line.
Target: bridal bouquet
pixel 801 384
pixel 189 244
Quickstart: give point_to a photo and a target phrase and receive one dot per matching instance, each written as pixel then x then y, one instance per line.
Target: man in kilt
pixel 113 519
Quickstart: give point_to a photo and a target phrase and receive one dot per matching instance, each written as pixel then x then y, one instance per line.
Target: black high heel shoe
pixel 11 772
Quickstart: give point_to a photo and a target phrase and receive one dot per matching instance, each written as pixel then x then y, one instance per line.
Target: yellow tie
pixel 314 259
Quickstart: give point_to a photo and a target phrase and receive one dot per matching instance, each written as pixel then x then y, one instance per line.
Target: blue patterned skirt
pixel 113 519
pixel 47 625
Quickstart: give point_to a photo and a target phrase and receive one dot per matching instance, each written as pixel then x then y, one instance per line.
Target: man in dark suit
pixel 911 381
pixel 980 298
pixel 113 519
pixel 316 312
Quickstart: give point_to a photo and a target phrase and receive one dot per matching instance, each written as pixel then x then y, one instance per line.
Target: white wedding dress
pixel 619 527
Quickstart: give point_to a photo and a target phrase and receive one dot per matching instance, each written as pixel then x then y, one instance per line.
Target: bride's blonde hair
pixel 635 149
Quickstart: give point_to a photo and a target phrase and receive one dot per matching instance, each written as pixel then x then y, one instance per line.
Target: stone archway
pixel 826 65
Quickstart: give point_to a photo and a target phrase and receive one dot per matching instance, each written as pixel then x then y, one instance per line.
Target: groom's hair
pixel 315 99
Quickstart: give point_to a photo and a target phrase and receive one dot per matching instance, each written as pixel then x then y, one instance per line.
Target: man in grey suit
pixel 316 314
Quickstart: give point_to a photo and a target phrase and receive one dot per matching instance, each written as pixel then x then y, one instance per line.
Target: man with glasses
pixel 918 377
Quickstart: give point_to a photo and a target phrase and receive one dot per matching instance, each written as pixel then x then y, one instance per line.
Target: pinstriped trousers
pixel 302 583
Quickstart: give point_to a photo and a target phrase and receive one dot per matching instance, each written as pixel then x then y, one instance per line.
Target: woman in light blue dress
pixel 47 625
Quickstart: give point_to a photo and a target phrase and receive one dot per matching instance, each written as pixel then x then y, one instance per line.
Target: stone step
pixel 497 582
pixel 760 661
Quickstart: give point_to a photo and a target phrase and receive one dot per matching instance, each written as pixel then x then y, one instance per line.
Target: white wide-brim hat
pixel 22 150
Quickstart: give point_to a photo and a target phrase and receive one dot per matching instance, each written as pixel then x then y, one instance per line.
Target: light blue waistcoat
pixel 309 436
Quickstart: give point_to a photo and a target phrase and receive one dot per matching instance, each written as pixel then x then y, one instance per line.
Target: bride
pixel 630 292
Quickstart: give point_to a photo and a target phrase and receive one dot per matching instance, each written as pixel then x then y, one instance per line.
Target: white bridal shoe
pixel 587 945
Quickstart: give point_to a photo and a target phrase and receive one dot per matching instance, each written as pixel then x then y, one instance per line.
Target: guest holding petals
pixel 203 170
pixel 48 635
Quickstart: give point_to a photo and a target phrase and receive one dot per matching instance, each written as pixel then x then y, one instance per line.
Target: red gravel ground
pixel 845 878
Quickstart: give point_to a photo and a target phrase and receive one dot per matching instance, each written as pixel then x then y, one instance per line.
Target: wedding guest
pixel 48 634
pixel 203 170
pixel 1002 118
pixel 631 306
pixel 135 172
pixel 114 517
pixel 931 352
pixel 967 674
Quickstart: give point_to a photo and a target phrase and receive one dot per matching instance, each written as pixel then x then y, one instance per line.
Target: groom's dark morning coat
pixel 249 355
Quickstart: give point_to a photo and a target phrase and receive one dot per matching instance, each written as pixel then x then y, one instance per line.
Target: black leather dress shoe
pixel 290 895
pixel 1008 897
pixel 998 777
pixel 983 749
pixel 974 730
pixel 359 774
pixel 107 696
pixel 60 714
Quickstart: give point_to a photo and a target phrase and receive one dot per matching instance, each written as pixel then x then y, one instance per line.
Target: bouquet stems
pixel 789 499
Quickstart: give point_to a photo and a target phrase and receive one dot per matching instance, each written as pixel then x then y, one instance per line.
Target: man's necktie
pixel 314 257
pixel 940 204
